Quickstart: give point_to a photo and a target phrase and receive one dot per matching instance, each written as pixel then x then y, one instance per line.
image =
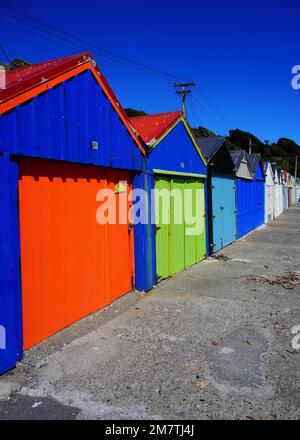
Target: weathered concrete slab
pixel 21 407
pixel 209 343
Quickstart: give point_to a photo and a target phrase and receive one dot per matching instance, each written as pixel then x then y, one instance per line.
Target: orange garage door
pixel 71 265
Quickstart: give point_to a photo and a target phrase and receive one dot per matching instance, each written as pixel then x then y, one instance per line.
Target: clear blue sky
pixel 240 53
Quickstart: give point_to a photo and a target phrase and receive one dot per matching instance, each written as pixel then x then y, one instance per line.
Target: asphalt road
pixel 213 342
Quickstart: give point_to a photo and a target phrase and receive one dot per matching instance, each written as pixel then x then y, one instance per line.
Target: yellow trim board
pixel 178 173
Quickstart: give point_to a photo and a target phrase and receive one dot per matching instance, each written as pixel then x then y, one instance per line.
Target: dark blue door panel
pixel 223 211
pixel 11 343
pixel 250 205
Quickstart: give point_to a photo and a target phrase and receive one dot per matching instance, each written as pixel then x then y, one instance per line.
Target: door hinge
pixel 157 228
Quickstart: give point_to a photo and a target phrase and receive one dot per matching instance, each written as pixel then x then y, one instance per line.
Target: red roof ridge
pixel 153 127
pixel 30 67
pixel 25 78
pixel 22 83
pixel 157 115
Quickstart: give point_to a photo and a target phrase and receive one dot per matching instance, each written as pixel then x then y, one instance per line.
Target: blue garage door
pixel 244 207
pixel 260 185
pixel 223 210
pixel 250 205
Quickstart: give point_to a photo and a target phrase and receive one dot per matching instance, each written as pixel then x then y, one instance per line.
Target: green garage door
pixel 180 224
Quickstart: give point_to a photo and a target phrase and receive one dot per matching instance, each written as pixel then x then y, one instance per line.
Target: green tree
pixel 16 63
pixel 131 112
pixel 283 152
pixel 203 132
pixel 241 139
pixel 288 146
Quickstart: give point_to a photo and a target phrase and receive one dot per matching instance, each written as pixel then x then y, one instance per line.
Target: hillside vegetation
pixel 284 151
pixel 15 64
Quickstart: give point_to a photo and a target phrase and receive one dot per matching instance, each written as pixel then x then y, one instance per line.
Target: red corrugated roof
pixel 153 127
pixel 27 78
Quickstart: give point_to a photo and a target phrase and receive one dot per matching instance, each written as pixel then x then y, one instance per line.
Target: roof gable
pixel 268 171
pixel 277 172
pixel 210 145
pixel 241 163
pixel 217 154
pixel 256 166
pixel 177 153
pixel 237 157
pixel 74 122
pixel 29 81
pixel 153 129
pixel 27 77
pixel 253 160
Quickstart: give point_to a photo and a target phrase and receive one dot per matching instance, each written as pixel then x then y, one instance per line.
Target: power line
pixel 75 46
pixel 198 118
pixel 208 114
pixel 5 53
pixel 184 92
pixel 42 28
pixel 214 108
pixel 173 103
pixel 101 50
pixel 200 114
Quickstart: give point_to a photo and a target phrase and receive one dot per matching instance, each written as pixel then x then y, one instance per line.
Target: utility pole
pixel 185 90
pixel 296 167
pixel 250 146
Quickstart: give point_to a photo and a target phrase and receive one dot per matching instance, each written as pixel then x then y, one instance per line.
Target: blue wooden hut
pixel 221 193
pixel 258 190
pixel 174 164
pixel 63 137
pixel 244 199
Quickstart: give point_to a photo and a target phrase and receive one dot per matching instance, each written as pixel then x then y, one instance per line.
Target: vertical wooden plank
pixel 63 248
pixel 163 256
pixel 10 289
pixel 177 227
pixel 119 249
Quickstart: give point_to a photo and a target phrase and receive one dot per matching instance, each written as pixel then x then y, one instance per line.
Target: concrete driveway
pixel 213 342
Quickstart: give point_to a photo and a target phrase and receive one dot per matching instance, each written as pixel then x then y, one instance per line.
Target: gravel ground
pixel 213 342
